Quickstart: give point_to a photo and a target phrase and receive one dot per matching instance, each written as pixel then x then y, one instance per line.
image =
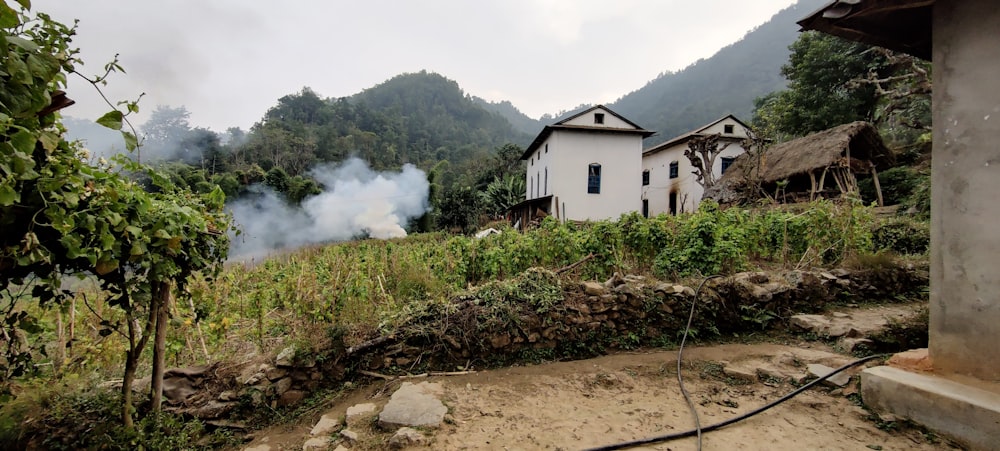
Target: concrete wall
pixel 688 190
pixel 610 120
pixel 535 171
pixel 620 157
pixel 965 213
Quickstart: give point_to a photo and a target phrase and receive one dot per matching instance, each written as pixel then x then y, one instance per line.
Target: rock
pixel 812 323
pixel 594 289
pixel 177 389
pixel 827 276
pixel 274 374
pixel 316 444
pixel 914 359
pixel 326 425
pixel 291 397
pixel 286 357
pixel 687 291
pixel 282 386
pixel 499 341
pixel 405 437
pixel 359 412
pixel 212 409
pixel 853 344
pixel 341 448
pixel 837 380
pixel 228 395
pixel 835 330
pixel 349 435
pixel 414 405
pixel 840 315
pixel 840 273
pixel 261 447
pixel 742 374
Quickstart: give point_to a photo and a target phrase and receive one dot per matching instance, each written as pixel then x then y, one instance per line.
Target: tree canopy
pixel 64 214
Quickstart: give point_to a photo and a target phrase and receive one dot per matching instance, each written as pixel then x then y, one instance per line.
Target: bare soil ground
pixel 628 396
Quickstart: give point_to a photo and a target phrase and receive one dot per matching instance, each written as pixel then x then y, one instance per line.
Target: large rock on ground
pixel 414 405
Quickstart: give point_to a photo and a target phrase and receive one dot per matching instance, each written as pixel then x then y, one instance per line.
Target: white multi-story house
pixel 669 184
pixel 584 167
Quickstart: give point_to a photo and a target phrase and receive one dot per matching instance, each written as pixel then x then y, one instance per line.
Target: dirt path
pixel 606 400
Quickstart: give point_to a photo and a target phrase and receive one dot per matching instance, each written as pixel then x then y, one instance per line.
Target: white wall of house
pixel 560 167
pixel 685 189
pixel 590 120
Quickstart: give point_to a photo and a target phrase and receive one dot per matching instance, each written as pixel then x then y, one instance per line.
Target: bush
pixel 897 185
pixel 902 236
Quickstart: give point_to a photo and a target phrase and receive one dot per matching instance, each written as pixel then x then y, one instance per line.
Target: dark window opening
pixel 546 147
pixel 531 187
pixel 546 181
pixel 538 188
pixel 673 203
pixel 726 162
pixel 728 129
pixel 645 208
pixel 594 179
pixel 645 177
pixel 598 118
pixel 673 170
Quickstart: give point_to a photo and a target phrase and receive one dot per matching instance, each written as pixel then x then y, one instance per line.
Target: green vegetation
pixel 61 216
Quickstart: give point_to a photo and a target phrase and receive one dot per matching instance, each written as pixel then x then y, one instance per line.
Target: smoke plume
pixel 355 202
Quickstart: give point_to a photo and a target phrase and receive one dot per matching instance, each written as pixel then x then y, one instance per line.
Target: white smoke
pixel 355 202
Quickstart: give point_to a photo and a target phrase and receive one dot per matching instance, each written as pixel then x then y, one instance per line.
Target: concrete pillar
pixel 965 187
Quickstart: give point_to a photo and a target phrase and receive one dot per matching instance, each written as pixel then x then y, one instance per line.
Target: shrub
pixel 903 236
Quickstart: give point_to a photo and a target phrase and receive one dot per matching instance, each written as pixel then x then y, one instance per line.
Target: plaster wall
pixel 965 241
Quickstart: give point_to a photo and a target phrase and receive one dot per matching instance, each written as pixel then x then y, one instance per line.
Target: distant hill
pixel 520 121
pixel 727 82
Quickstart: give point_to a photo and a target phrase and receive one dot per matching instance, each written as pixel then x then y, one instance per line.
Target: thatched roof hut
pixel 822 164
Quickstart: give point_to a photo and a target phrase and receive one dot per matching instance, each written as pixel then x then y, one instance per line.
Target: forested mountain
pixel 519 120
pixel 727 82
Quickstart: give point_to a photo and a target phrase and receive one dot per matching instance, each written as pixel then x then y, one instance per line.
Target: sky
pixel 228 61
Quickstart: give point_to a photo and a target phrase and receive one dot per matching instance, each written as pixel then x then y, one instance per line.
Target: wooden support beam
pixel 878 187
pixel 812 185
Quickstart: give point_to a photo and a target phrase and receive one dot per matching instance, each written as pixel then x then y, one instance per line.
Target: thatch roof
pixel 816 151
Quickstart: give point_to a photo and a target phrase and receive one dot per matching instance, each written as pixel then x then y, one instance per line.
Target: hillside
pixel 727 82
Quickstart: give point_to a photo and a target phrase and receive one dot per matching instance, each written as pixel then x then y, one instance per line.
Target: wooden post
pixel 878 187
pixel 822 179
pixel 812 183
pixel 555 201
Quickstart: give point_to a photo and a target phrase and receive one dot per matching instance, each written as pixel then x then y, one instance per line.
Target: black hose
pixel 680 353
pixel 689 433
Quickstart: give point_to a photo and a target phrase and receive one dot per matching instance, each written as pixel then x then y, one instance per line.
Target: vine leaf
pixel 112 120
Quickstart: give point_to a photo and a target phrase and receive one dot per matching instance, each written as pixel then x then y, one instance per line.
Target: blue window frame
pixel 594 179
pixel 673 170
pixel 726 162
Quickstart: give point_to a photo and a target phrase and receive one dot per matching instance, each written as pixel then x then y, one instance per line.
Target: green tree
pixel 60 215
pixel 821 93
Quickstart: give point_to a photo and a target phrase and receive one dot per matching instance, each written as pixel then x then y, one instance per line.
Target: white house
pixel 669 184
pixel 584 167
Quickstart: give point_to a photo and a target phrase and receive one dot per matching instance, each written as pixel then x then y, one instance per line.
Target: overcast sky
pixel 228 61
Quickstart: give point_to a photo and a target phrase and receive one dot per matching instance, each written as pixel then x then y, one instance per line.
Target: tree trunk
pixel 161 302
pixel 131 361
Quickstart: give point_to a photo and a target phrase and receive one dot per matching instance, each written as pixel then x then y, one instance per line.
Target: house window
pixel 645 208
pixel 728 129
pixel 546 181
pixel 546 147
pixel 673 170
pixel 538 176
pixel 598 118
pixel 645 177
pixel 594 179
pixel 531 187
pixel 726 162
